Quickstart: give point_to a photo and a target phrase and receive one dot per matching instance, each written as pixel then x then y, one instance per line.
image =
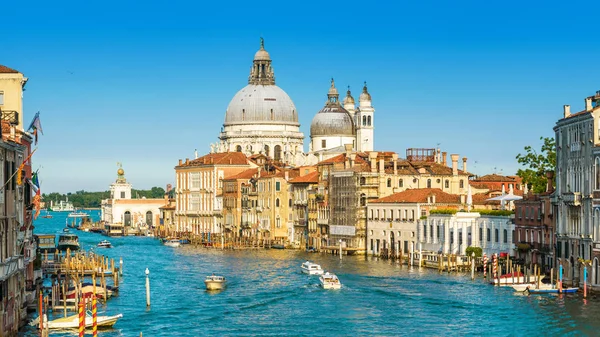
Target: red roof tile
pixel 312 177
pixel 420 196
pixel 247 174
pixel 7 70
pixel 225 158
pixel 495 178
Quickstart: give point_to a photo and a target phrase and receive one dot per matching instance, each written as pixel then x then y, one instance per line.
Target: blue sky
pixel 146 83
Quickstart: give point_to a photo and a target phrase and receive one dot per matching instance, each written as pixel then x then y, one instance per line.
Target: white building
pixel 122 209
pixel 453 233
pixel 336 125
pixel 262 118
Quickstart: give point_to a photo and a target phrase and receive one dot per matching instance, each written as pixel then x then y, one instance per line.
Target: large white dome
pixel 261 104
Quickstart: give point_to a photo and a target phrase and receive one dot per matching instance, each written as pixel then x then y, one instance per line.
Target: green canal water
pixel 267 295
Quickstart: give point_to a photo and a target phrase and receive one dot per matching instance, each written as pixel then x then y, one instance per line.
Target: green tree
pixel 537 164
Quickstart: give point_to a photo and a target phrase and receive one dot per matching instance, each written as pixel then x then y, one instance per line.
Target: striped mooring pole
pixel 485 261
pixel 495 266
pixel 94 317
pixel 81 318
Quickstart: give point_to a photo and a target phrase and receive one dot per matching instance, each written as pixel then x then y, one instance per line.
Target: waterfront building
pixel 18 278
pixel 534 227
pixel 577 232
pixel 261 118
pixel 304 208
pixel 199 191
pixel 240 221
pixel 392 223
pixel 133 215
pixel 167 212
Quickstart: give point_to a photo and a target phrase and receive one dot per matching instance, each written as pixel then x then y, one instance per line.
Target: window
pixel 1 98
pixel 428 183
pixel 149 218
pixel 277 202
pixel 369 120
pixel 496 238
pixel 289 202
pixel 278 222
pixel 363 180
pixel 389 182
pixel 277 186
pixel 323 143
pixel 272 115
pixel 122 194
pixel 461 184
pixel 364 121
pixel 400 183
pixel 505 236
pixel 447 184
pixel 267 150
pixel 238 148
pixel 277 152
pixel 488 235
pixel 243 114
pixel 480 234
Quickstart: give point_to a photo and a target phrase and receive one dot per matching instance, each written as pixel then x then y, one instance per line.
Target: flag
pixel 36 125
pixel 22 166
pixel 35 181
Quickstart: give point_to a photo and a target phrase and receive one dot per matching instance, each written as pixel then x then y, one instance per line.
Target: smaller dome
pixel 348 99
pixel 333 119
pixel 364 96
pixel 262 54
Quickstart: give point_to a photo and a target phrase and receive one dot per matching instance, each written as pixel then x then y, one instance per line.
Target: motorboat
pixel 173 243
pixel 88 291
pixel 214 282
pixel 527 286
pixel 104 244
pixel 510 279
pixel 532 290
pixel 72 322
pixel 68 241
pixel 311 268
pixel 330 281
pixel 65 230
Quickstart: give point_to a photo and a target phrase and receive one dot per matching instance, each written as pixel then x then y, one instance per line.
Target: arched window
pixel 400 183
pixel 389 182
pixel 149 219
pixel 447 184
pixel 597 173
pixel 363 180
pixel 461 184
pixel 428 183
pixel 363 202
pixel 238 148
pixel 267 150
pixel 369 120
pixel 277 152
pixel 243 114
pixel 127 219
pixel 277 202
pixel 364 120
pixel 272 115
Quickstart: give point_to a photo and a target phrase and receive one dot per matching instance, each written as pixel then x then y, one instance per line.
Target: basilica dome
pixel 333 119
pixel 261 104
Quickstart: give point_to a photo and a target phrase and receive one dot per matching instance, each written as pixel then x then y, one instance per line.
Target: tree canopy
pixel 537 164
pixel 84 199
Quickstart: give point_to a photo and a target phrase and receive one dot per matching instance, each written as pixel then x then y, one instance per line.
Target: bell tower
pixel 365 122
pixel 120 189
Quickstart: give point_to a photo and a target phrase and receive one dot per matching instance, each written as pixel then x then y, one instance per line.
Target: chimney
pixel 395 160
pixel 454 158
pixel 433 199
pixel 259 169
pixel 567 110
pixel 465 164
pixel 352 159
pixel 372 159
pixel 287 175
pixel 381 166
pixel 444 158
pixel 230 161
pixel 549 180
pixel 180 162
pixel 211 159
pixel 187 161
pixel 588 104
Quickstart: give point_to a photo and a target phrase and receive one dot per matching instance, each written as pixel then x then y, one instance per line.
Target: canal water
pixel 267 295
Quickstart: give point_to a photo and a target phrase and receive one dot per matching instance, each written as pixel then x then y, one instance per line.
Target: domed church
pixel 261 118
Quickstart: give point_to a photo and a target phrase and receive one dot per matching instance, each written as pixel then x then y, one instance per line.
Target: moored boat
pixel 330 281
pixel 68 241
pixel 515 278
pixel 72 322
pixel 104 244
pixel 552 291
pixel 311 268
pixel 214 282
pixel 172 243
pixel 527 286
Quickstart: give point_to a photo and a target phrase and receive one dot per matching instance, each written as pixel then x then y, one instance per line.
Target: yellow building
pixel 303 204
pixel 12 83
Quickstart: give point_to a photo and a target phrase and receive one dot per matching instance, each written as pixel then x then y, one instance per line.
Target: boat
pixel 509 279
pixel 311 268
pixel 104 244
pixel 65 230
pixel 72 322
pixel 47 215
pixel 277 246
pixel 62 206
pixel 173 243
pixel 68 241
pixel 330 281
pixel 214 282
pixel 88 290
pixel 46 242
pixel 552 290
pixel 72 219
pixel 527 286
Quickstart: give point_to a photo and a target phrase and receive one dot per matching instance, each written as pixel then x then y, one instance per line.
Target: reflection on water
pixel 267 295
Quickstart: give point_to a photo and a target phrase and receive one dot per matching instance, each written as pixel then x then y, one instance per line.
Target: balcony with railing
pixel 11 266
pixel 10 116
pixel 572 198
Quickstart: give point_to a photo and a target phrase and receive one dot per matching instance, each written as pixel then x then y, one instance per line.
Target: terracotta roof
pixel 496 177
pixel 420 195
pixel 225 158
pixel 312 177
pixel 7 70
pixel 247 174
